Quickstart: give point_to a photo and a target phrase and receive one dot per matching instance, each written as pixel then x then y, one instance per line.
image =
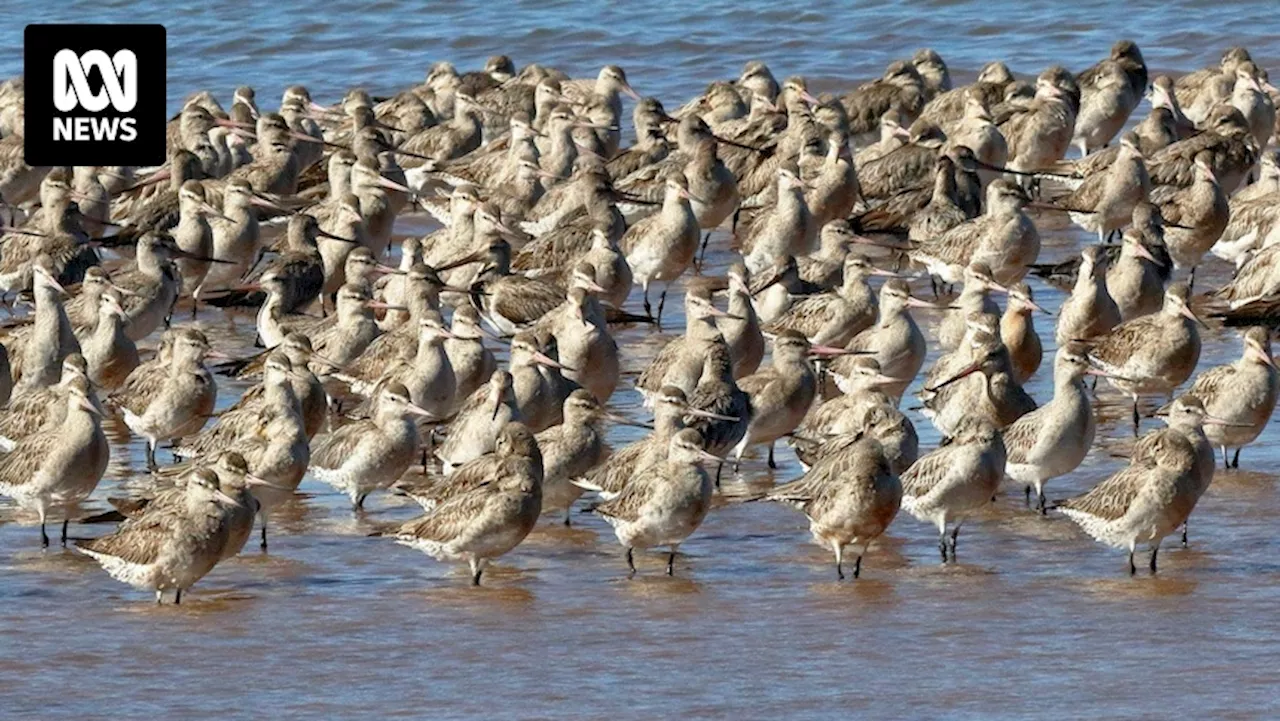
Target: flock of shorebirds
pixel 380 378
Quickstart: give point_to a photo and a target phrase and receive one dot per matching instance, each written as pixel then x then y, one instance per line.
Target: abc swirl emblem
pixel 95 95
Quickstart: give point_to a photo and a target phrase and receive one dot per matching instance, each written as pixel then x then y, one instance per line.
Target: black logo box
pixel 42 42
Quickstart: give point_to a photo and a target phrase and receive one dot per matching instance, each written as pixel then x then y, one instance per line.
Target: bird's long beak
pixel 624 421
pixel 826 351
pixel 708 456
pixel 252 480
pixel 180 253
pixel 699 413
pixel 331 236
pixel 224 499
pixel 543 359
pixel 962 374
pixel 1262 355
pixel 1191 315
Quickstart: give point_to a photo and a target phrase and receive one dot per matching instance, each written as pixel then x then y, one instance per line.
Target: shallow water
pixel 1035 621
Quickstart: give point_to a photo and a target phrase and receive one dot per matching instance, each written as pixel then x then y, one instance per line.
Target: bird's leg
pixel 1235 460
pixel 159 597
pixel 1154 550
pixel 839 549
pixel 954 532
pixel 772 463
pixel 631 561
pixel 942 544
pixel 1040 503
pixel 1226 461
pixel 719 468
pixel 648 310
pixel 65 521
pixel 1028 492
pixel 44 537
pixel 662 302
pixel 1133 570
pixel 1136 420
pixel 567 512
pixel 857 565
pixel 177 597
pixel 262 516
pixel 358 505
pixel 671 560
pixel 933 283
pixel 1184 534
pixel 476 571
pixel 151 456
pixel 1191 281
pixel 702 253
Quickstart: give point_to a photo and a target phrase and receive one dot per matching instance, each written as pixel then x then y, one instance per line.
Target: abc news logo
pixel 95 95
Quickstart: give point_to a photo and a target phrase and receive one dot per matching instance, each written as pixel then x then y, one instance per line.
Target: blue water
pixel 668 51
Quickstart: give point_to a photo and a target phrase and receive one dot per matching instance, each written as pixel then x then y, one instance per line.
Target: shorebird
pixel 427 373
pixel 1199 91
pixel 482 523
pixel 1197 214
pixel 588 354
pixel 473 363
pixel 274 396
pixel 51 337
pixel 58 466
pixel 663 505
pixel 850 496
pixel 173 403
pixel 784 228
pixel 1152 496
pixel 670 409
pixel 486 411
pixel 895 339
pixel 661 247
pixel 1253 214
pixel 975 297
pixel 900 86
pixel 948 107
pixel 1242 393
pixel 1109 91
pixel 741 327
pixel 1104 202
pixel 371 454
pixel 152 286
pixel 1040 132
pixel 952 481
pixel 514 441
pixel 571 449
pixel 194 236
pixel 1089 312
pixel 1134 281
pixel 1053 439
pixel 1154 353
pixel 1226 137
pixel 835 318
pixel 34 408
pixel 109 352
pixel 1004 237
pixel 679 363
pixel 995 396
pixel 1018 332
pixel 781 395
pixel 173 543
